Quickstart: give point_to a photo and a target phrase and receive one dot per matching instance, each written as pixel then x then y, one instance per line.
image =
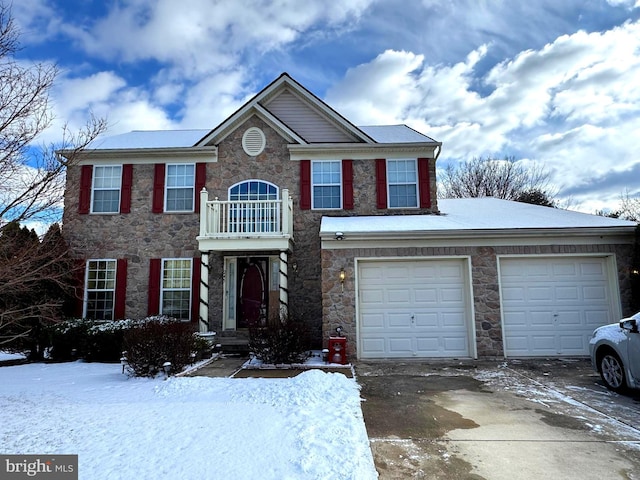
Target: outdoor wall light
pixel 339 236
pixel 342 277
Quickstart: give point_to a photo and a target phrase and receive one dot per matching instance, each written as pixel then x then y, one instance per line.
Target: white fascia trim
pixel 477 238
pixel 149 155
pixel 360 151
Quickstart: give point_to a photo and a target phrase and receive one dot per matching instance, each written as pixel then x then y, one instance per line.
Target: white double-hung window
pixel 326 182
pixel 175 297
pixel 402 181
pixel 180 188
pixel 100 289
pixel 105 194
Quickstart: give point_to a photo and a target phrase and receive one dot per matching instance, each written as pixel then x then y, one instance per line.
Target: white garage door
pixel 416 308
pixel 550 306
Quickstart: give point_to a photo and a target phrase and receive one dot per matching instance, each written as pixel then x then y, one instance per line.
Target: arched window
pixel 253 190
pixel 253 207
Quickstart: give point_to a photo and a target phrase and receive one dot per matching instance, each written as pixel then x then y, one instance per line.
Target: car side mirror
pixel 630 324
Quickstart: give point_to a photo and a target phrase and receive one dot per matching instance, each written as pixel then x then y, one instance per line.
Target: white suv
pixel 615 353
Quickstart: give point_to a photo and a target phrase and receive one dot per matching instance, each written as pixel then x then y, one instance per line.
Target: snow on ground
pixel 4 356
pixel 306 427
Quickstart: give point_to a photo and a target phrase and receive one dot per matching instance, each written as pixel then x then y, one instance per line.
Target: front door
pixel 252 292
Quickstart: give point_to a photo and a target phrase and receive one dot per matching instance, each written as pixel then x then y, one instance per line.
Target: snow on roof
pixel 149 139
pixel 395 134
pixel 188 138
pixel 473 214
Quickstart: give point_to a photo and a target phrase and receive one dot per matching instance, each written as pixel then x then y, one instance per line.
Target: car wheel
pixel 612 372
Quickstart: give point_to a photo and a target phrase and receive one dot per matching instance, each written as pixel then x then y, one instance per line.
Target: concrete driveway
pixel 498 420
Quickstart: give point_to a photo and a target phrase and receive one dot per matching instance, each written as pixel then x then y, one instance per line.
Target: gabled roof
pixel 471 216
pixel 259 105
pixel 284 82
pixel 148 139
pixel 395 134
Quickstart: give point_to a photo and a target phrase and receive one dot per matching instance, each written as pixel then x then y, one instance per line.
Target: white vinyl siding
pixel 105 191
pixel 180 188
pixel 326 184
pixel 175 299
pixel 413 308
pixel 100 289
pixel 402 181
pixel 551 305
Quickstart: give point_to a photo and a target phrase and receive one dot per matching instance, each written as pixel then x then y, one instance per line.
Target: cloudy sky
pixel 550 81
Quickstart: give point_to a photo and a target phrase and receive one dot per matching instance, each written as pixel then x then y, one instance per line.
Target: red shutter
pixel 347 184
pixel 381 183
pixel 305 185
pixel 125 191
pixel 424 183
pixel 80 274
pixel 195 290
pixel 158 188
pixel 85 189
pixel 121 289
pixel 155 264
pixel 201 180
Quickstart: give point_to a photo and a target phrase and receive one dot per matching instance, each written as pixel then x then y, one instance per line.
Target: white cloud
pixel 571 104
pixel 213 36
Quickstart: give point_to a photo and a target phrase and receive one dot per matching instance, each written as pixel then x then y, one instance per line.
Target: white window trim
pixel 190 289
pixel 417 184
pixel 85 300
pixel 253 180
pixel 93 189
pixel 313 207
pixel 167 188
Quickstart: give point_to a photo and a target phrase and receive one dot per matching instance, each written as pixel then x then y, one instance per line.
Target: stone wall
pixel 340 307
pixel 142 235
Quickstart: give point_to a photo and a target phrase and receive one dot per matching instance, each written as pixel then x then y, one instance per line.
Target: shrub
pixel 68 339
pixel 280 341
pixel 150 344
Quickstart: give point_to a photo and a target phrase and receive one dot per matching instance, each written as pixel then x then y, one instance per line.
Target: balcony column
pixel 286 214
pixel 204 212
pixel 203 311
pixel 284 285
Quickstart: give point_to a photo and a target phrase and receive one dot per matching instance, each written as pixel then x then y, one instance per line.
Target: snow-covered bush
pixel 94 340
pixel 150 344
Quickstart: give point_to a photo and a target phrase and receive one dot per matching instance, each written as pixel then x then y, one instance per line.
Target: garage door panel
pixel 564 300
pixel 373 321
pixel 426 320
pixel 451 295
pixel 539 293
pixel 399 296
pixel 514 294
pixel 400 345
pixel 373 347
pixel 570 293
pixel 417 305
pixel 597 293
pixel 398 320
pixel 453 319
pixel 426 295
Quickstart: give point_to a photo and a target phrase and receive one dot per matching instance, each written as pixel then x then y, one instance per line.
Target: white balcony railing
pixel 225 219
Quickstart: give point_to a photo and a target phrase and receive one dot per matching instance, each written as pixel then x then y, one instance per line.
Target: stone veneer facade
pixel 142 235
pixel 340 307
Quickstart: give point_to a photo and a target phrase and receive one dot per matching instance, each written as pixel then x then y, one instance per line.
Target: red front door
pixel 251 293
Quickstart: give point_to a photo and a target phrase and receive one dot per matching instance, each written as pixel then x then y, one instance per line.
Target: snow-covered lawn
pixel 306 427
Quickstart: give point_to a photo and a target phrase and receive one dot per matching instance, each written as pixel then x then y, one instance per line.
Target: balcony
pixel 257 225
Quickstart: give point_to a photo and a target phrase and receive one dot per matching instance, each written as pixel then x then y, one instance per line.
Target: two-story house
pixel 286 206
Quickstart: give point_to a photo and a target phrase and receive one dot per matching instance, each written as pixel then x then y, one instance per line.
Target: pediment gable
pixel 295 113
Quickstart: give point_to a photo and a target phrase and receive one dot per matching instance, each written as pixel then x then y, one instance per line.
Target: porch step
pixel 235 345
